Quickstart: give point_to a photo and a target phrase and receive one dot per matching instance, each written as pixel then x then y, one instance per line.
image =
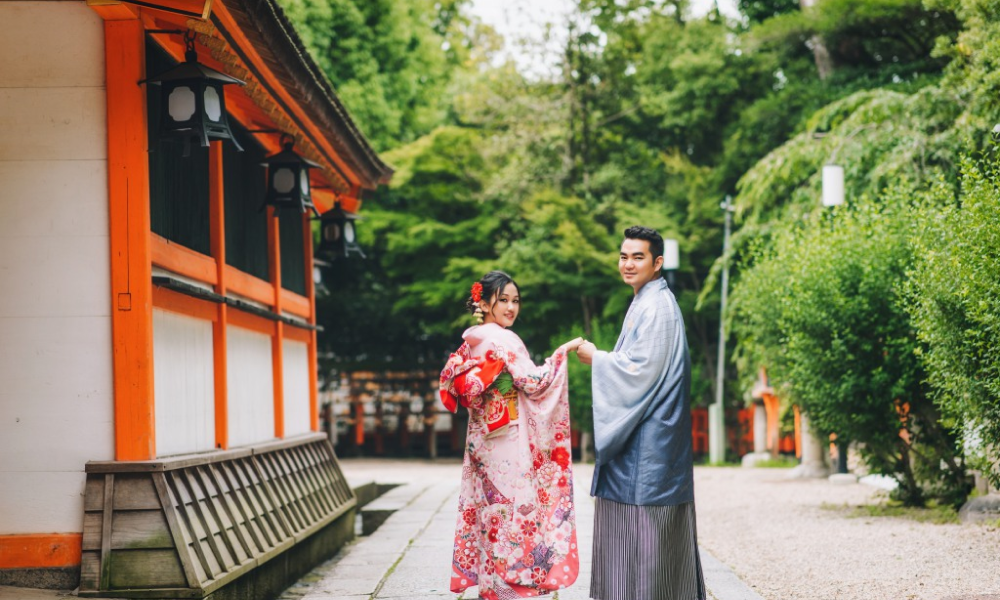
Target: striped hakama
pixel 645 553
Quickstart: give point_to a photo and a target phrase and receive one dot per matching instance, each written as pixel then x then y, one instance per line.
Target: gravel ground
pixel 782 537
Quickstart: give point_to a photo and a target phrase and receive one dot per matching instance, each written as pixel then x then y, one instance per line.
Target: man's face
pixel 636 263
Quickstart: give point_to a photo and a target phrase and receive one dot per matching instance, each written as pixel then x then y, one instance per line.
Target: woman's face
pixel 505 307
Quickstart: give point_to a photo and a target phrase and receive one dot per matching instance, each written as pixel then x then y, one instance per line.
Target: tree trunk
pixel 824 64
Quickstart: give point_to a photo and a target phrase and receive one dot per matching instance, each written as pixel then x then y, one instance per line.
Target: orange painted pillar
pixel 798 431
pixel 217 224
pixel 277 351
pixel 129 232
pixel 359 423
pixel 772 405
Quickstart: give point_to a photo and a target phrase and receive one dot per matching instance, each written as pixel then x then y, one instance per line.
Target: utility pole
pixel 716 412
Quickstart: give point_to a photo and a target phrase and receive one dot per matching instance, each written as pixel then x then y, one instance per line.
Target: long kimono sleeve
pixel 626 381
pixel 529 378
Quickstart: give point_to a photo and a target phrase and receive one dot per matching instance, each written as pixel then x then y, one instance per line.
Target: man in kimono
pixel 645 540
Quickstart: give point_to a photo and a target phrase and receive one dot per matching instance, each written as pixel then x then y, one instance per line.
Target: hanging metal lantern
pixel 339 238
pixel 193 101
pixel 288 179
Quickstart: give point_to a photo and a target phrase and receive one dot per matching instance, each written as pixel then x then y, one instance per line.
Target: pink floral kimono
pixel 516 533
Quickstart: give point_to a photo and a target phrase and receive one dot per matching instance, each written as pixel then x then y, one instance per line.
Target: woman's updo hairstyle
pixel 492 282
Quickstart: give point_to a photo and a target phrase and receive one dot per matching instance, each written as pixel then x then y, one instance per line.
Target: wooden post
pixel 379 427
pixel 277 350
pixel 402 427
pixel 129 229
pixel 217 217
pixel 430 422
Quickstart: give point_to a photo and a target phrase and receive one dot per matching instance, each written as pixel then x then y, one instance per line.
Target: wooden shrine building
pixel 158 401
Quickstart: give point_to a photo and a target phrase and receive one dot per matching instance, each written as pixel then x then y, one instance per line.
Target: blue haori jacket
pixel 642 416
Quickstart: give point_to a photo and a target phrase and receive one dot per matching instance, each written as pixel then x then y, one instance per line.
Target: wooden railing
pixel 186 526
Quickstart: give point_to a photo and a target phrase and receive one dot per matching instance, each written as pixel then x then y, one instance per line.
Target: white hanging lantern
pixel 833 185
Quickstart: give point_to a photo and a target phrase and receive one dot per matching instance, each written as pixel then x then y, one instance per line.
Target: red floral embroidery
pixel 529 528
pixel 560 456
pixel 538 460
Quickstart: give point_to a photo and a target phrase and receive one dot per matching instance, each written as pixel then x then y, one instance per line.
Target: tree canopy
pixel 655 116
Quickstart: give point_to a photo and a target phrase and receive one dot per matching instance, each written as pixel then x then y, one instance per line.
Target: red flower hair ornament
pixel 477 292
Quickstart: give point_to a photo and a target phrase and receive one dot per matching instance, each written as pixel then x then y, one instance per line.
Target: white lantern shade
pixel 181 104
pixel 284 180
pixel 213 104
pixel 331 232
pixel 671 255
pixel 833 185
pixel 304 181
pixel 349 232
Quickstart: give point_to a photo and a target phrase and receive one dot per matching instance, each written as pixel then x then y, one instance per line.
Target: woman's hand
pixel 572 345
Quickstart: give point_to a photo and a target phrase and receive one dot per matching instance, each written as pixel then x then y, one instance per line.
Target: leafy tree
pixel 895 37
pixel 953 295
pixel 822 307
pixel 390 62
pixel 762 10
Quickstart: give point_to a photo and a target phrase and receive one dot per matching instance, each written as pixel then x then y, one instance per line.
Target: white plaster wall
pixel 56 396
pixel 296 387
pixel 250 385
pixel 184 383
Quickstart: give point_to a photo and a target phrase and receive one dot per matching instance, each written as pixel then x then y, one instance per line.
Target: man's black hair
pixel 638 232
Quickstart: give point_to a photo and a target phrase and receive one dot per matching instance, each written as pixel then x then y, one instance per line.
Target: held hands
pixel 572 345
pixel 585 352
pixel 584 349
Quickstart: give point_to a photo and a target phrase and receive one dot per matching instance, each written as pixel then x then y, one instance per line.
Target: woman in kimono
pixel 516 533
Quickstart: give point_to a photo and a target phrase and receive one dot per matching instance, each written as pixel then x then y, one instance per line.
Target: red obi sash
pixel 464 377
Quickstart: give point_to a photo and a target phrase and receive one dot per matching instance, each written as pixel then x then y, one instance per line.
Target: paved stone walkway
pixel 409 555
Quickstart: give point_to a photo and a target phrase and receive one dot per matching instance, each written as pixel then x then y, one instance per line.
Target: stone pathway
pixel 409 555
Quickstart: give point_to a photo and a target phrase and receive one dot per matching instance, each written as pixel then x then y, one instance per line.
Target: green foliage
pixel 388 60
pixel 762 10
pixel 690 80
pixel 953 295
pixel 777 463
pixel 821 306
pixel 866 34
pixel 581 399
pixel 933 513
pixel 878 136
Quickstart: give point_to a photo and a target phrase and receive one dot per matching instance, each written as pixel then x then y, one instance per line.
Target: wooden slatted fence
pixel 184 527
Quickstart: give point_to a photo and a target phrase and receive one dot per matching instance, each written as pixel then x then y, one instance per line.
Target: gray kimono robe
pixel 642 417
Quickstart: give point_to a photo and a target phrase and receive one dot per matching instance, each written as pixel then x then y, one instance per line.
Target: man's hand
pixel 586 352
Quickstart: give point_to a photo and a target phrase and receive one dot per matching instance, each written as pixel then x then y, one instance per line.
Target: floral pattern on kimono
pixel 516 531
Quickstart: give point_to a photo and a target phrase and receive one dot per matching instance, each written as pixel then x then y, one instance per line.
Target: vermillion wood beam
pixel 277 350
pixel 217 217
pixel 131 272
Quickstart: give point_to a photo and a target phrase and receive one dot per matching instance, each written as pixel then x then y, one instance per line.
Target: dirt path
pixel 788 540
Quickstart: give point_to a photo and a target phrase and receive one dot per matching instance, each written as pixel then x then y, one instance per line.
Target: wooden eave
pixel 265 25
pixel 252 40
